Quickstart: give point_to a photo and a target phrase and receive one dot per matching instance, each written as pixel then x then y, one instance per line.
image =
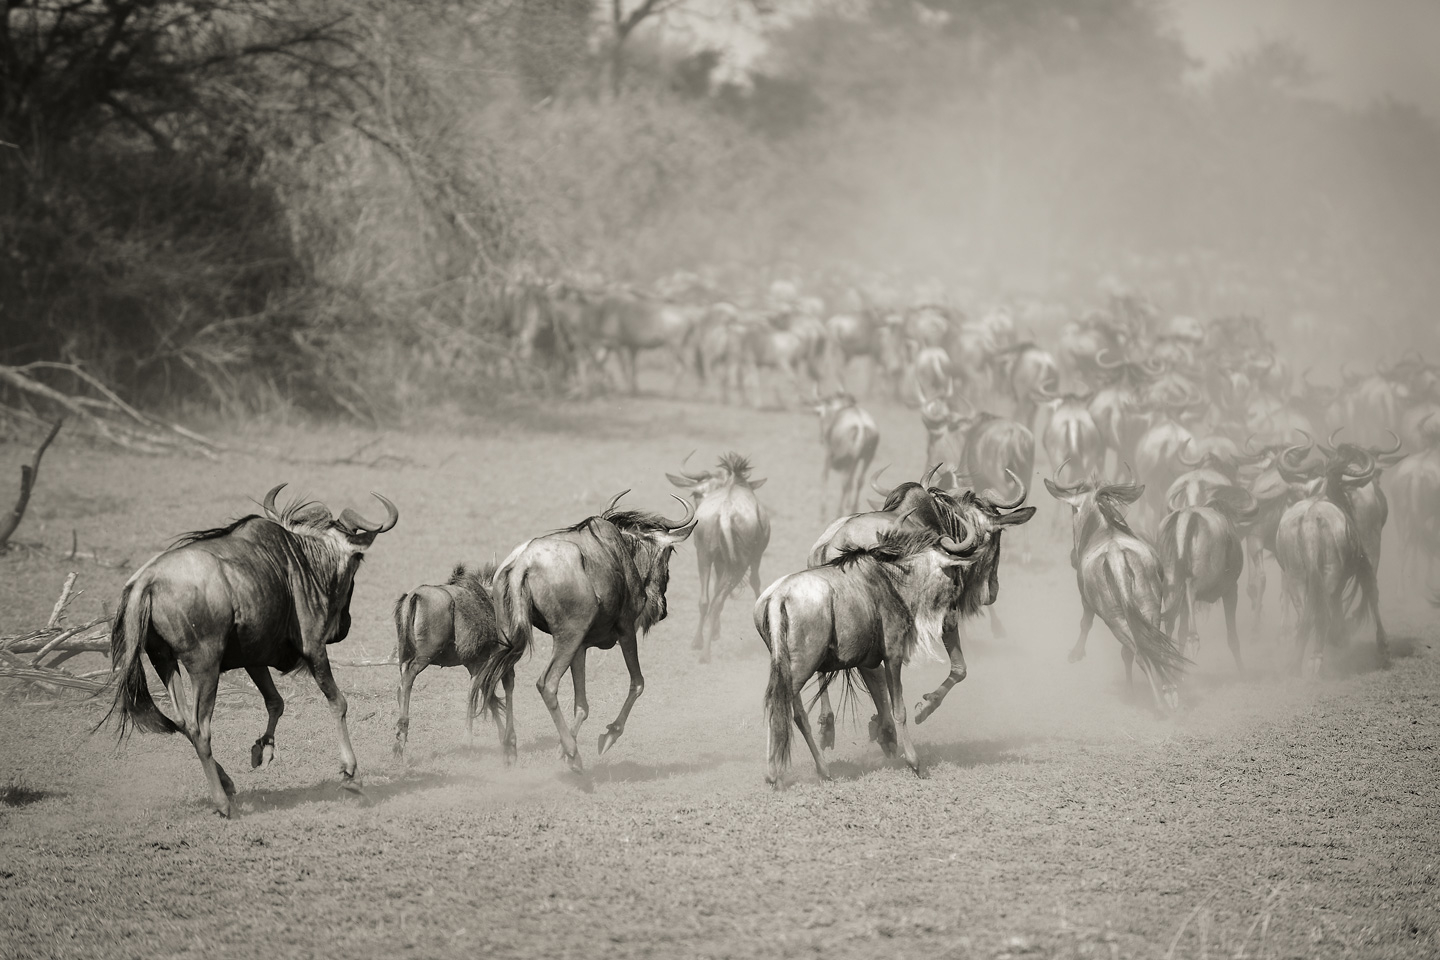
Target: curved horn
pixel 268 504
pixel 697 477
pixel 1333 434
pixel 1180 455
pixel 689 514
pixel 1128 471
pixel 1061 469
pixel 874 482
pixel 615 501
pixel 1154 366
pixel 1100 362
pixel 965 547
pixel 353 519
pixel 930 474
pixel 1396 448
pixel 994 497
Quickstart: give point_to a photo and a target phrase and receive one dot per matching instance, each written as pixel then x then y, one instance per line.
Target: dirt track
pixel 1273 816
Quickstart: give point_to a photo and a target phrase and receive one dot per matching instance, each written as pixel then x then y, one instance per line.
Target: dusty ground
pixel 1272 818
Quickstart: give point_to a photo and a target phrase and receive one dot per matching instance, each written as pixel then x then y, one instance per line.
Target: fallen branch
pixel 106 417
pixel 28 474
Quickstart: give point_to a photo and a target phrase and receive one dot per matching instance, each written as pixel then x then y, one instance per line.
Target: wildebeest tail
pixel 405 605
pixel 127 643
pixel 1154 648
pixel 779 697
pixel 511 594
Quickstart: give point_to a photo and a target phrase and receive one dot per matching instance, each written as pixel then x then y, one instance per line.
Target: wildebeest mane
pixel 892 545
pixel 628 521
pixel 291 517
pixel 738 466
pixel 214 533
pixel 1111 500
pixel 481 580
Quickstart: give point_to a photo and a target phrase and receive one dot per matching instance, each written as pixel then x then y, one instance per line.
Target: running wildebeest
pixel 452 624
pixel 1203 555
pixel 732 530
pixel 918 506
pixel 850 438
pixel 1120 578
pixel 265 591
pixel 594 584
pixel 865 611
pixel 1322 556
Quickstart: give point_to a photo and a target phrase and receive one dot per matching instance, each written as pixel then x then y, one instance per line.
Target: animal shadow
pixel 365 794
pixel 962 754
pixel 629 771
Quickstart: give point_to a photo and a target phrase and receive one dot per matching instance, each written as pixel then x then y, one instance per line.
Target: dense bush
pixel 258 203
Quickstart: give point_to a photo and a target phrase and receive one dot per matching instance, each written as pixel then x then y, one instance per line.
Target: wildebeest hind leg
pixel 1087 619
pixel 263 751
pixel 897 714
pixel 408 672
pixel 874 680
pixel 204 681
pixel 827 720
pixel 803 722
pixel 549 686
pixel 506 729
pixel 582 702
pixel 630 648
pixel 1232 632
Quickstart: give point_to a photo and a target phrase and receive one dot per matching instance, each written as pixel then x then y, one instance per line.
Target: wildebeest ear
pixel 1015 517
pixel 757 484
pixel 1126 492
pixel 680 481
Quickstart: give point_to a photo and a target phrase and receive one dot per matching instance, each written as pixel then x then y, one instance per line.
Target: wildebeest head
pixel 350 531
pixel 646 541
pixel 1095 506
pixel 730 469
pixel 983 517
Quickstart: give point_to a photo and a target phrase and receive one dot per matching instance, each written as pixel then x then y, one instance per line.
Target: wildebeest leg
pixel 582 702
pixel 629 359
pixel 951 636
pixel 1255 583
pixel 1370 592
pixel 1127 654
pixel 897 714
pixel 549 686
pixel 263 750
pixel 1087 619
pixel 803 722
pixel 875 682
pixel 325 680
pixel 408 672
pixel 827 720
pixel 703 562
pixel 725 583
pixel 506 730
pixel 1231 599
pixel 630 648
pixel 204 680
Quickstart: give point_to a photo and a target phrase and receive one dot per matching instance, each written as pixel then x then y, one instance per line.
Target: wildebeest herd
pixel 1185 451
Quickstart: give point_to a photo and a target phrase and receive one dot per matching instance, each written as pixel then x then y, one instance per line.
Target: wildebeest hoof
pixel 608 738
pixel 398 750
pixel 262 752
pixel 223 810
pixel 925 707
pixel 1076 655
pixel 827 733
pixel 576 764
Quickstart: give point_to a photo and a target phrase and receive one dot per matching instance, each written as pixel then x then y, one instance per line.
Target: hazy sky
pixel 1361 49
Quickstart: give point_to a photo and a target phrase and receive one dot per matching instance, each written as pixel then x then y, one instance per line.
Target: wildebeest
pixel 732 530
pixel 451 624
pixel 628 322
pixel 1121 579
pixel 264 591
pixel 1203 556
pixel 867 611
pixel 850 438
pixel 1028 374
pixel 1071 434
pixel 918 506
pixel 1322 558
pixel 595 584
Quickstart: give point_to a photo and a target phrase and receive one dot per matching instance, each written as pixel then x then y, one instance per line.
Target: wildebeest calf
pixel 452 624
